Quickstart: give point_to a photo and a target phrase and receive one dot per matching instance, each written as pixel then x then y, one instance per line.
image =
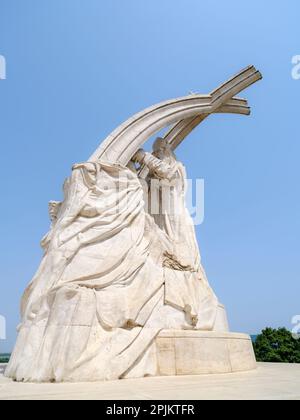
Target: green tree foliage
pixel 277 346
pixel 4 358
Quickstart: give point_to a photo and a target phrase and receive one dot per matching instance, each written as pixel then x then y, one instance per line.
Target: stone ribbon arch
pixel 184 113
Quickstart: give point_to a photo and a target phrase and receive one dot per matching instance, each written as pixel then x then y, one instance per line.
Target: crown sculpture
pixel 121 291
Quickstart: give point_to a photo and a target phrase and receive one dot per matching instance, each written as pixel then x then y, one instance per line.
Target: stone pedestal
pixel 197 352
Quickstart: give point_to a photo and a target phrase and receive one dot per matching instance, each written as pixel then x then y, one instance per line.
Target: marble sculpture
pixel 121 291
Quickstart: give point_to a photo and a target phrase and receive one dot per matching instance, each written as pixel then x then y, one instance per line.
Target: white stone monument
pixel 121 291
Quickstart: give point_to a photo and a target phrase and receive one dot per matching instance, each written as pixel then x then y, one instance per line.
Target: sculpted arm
pixel 156 166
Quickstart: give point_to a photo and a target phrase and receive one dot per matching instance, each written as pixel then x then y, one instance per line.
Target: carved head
pixel 162 149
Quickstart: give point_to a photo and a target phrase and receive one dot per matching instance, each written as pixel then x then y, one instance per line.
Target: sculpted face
pixel 162 149
pixel 54 207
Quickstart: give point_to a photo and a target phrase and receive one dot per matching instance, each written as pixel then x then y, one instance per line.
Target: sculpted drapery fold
pixel 108 282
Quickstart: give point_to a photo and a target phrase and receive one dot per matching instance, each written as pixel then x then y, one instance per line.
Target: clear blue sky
pixel 76 69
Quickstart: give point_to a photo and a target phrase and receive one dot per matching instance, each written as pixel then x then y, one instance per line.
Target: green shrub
pixel 277 346
pixel 4 358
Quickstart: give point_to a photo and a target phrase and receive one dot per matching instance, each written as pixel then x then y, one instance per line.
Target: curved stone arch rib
pixel 183 128
pixel 121 145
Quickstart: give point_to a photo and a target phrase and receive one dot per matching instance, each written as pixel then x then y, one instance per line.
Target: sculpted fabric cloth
pixel 103 290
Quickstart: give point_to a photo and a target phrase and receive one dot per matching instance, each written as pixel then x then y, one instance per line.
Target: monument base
pixel 198 353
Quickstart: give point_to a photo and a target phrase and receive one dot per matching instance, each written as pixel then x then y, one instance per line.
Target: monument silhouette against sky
pixel 121 291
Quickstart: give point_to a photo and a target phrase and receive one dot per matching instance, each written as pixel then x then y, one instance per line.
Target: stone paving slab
pixel 268 382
